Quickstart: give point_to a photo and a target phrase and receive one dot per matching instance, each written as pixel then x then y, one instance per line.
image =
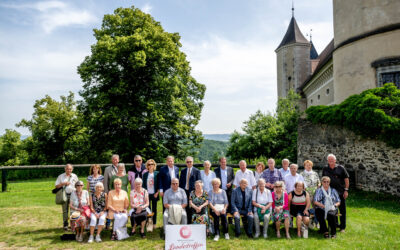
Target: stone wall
pixel 375 165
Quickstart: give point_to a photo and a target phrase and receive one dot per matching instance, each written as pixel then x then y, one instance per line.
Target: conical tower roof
pixel 293 34
pixel 313 52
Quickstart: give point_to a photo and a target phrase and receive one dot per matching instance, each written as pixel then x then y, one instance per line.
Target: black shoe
pixel 143 235
pixel 250 236
pixel 237 235
pixel 132 233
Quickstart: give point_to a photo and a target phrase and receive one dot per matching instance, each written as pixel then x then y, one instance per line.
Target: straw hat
pixel 75 215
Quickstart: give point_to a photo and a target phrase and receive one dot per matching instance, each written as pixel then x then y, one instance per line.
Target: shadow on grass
pixel 363 199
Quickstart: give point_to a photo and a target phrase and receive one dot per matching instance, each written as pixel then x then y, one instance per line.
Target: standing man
pixel 244 173
pixel 271 175
pixel 110 171
pixel 285 168
pixel 226 175
pixel 189 176
pixel 339 181
pixel 292 178
pixel 167 173
pixel 137 171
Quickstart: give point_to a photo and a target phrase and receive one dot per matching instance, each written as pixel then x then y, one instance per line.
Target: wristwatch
pixel 346 189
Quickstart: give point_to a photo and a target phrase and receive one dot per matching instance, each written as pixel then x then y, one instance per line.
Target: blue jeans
pixel 247 220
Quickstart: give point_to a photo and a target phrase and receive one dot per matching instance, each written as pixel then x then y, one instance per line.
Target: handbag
pixel 61 196
pixel 149 225
pixel 333 212
pixel 122 233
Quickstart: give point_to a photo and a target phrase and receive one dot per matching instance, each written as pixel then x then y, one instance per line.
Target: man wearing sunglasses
pixel 137 171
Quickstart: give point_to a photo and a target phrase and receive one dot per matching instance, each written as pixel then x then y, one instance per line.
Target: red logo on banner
pixel 185 232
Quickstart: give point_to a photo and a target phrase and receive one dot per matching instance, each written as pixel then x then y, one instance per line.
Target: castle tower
pixel 293 59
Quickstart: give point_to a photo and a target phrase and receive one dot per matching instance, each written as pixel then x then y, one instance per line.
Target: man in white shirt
pixel 292 178
pixel 285 168
pixel 244 173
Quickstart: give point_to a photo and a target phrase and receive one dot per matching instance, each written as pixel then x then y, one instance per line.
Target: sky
pixel 230 45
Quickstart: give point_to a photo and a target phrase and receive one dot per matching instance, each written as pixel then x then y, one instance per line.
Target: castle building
pixel 364 54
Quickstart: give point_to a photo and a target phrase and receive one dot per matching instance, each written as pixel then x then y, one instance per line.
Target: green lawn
pixel 29 218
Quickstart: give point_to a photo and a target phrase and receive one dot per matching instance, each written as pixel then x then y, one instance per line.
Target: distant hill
pixel 211 150
pixel 217 137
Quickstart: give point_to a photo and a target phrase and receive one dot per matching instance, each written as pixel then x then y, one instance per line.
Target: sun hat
pixel 75 215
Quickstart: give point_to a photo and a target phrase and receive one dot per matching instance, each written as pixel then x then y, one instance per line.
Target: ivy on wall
pixel 375 114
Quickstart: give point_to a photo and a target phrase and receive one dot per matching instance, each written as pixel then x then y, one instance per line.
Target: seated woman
pixel 79 202
pixel 122 176
pixel 299 201
pixel 262 202
pixel 218 203
pixel 280 208
pixel 175 202
pixel 326 202
pixel 139 202
pixel 198 202
pixel 117 203
pixel 98 206
pixel 94 177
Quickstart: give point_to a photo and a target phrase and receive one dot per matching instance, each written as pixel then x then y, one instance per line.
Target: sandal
pixel 114 236
pixel 143 235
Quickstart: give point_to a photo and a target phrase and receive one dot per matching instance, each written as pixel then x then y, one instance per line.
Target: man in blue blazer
pixel 166 173
pixel 242 205
pixel 226 175
pixel 189 176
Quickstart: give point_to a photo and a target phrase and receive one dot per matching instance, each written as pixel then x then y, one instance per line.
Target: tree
pixel 12 151
pixel 58 135
pixel 269 135
pixel 139 96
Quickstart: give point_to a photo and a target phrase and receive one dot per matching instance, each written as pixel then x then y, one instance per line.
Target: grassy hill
pixel 212 149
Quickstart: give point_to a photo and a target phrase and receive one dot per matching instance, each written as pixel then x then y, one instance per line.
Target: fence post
pixel 4 181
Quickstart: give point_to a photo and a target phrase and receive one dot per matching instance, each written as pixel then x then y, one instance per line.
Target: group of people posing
pixel 195 196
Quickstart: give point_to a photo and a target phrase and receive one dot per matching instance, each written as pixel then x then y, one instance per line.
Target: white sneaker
pixel 227 236
pixel 265 236
pixel 305 233
pixel 216 238
pixel 90 239
pixel 98 239
pixel 80 238
pixel 257 235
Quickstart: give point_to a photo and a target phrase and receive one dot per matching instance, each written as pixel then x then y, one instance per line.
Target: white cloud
pixel 54 14
pixel 147 8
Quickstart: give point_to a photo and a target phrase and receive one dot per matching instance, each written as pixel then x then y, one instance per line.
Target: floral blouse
pixel 99 203
pixel 312 181
pixel 199 200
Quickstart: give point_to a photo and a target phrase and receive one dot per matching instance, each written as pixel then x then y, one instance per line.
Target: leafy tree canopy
pixel 139 96
pixel 12 149
pixel 269 135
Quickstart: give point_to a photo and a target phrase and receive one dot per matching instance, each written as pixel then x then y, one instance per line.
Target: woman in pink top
pixel 280 208
pixel 118 204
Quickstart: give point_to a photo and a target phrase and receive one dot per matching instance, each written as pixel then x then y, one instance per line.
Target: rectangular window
pixel 390 77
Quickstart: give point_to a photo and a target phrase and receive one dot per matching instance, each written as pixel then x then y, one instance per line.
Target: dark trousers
pixel 320 213
pixel 153 207
pixel 342 210
pixel 188 209
pixel 216 223
pixel 248 221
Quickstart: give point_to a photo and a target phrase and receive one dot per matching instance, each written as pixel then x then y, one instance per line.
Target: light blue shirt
pixel 224 178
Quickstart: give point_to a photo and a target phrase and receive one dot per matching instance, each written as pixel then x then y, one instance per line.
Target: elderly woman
pixel 218 201
pixel 94 177
pixel 311 178
pixel 326 202
pixel 139 202
pixel 207 176
pixel 280 208
pixel 198 202
pixel 66 181
pixel 117 203
pixel 175 202
pixel 122 176
pixel 150 183
pixel 79 203
pixel 262 202
pixel 259 171
pixel 98 206
pixel 299 201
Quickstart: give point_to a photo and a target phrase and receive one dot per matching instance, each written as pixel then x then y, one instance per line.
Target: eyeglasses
pixel 189 162
pixel 151 164
pixel 174 183
pixel 137 160
pixel 79 185
pixel 325 182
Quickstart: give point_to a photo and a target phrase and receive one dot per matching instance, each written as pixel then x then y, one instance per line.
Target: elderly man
pixel 189 176
pixel 244 173
pixel 166 174
pixel 339 181
pixel 271 175
pixel 292 178
pixel 242 205
pixel 285 168
pixel 137 171
pixel 175 202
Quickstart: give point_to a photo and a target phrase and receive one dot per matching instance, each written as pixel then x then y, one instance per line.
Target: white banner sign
pixel 185 237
